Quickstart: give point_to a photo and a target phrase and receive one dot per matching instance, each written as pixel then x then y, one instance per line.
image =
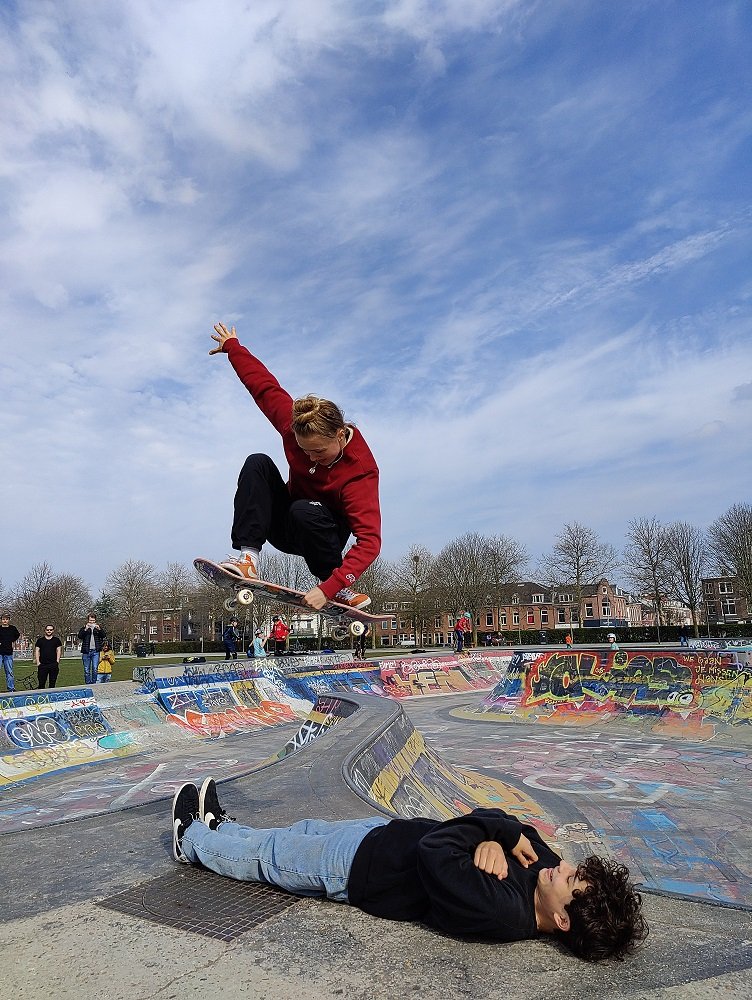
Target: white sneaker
pixel 350 597
pixel 243 566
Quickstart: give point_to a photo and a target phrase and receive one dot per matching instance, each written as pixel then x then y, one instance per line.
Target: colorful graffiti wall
pixel 402 678
pixel 400 772
pixel 52 731
pixel 693 693
pixel 210 702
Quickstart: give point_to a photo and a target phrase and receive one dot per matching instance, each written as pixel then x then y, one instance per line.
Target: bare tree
pixel 505 561
pixel 206 608
pixel 31 600
pixel 646 561
pixel 578 559
pixel 376 581
pixel 730 546
pixel 463 580
pixel 70 601
pixel 411 581
pixel 687 556
pixel 133 588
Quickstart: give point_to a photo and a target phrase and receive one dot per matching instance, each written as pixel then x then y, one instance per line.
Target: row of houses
pixel 526 606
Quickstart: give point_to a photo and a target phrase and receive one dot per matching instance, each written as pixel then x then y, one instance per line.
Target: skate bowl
pixel 74 752
pixel 696 694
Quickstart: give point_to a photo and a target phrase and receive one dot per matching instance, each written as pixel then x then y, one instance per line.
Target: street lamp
pixel 416 561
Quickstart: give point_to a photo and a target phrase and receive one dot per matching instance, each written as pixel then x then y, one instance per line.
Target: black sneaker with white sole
pixel 209 809
pixel 184 812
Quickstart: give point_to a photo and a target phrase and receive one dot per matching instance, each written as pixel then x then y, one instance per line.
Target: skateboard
pixel 346 619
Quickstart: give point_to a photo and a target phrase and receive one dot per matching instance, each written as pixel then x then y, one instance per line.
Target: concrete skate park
pixel 641 754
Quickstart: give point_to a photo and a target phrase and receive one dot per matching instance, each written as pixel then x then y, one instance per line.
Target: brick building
pixel 723 603
pixel 525 606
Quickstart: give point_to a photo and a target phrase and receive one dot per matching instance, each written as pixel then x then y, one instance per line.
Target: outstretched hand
pixel 223 335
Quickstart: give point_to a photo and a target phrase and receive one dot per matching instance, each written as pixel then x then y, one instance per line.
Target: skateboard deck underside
pixel 284 595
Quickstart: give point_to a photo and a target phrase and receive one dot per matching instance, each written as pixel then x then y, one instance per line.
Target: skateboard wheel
pixel 357 628
pixel 245 596
pixel 230 603
pixel 339 633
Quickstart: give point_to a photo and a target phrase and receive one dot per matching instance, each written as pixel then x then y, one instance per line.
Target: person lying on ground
pixel 483 875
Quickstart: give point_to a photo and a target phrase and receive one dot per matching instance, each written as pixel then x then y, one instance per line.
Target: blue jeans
pixel 91 662
pixel 459 639
pixel 309 858
pixel 103 678
pixel 10 681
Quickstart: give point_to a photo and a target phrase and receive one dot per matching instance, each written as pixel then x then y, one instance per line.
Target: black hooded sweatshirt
pixel 421 870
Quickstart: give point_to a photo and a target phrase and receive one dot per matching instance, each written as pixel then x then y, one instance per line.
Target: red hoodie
pixel 350 489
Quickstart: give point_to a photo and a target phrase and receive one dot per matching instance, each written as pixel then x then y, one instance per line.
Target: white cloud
pixel 531 294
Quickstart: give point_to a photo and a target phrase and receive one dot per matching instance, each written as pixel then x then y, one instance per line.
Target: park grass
pixel 72 670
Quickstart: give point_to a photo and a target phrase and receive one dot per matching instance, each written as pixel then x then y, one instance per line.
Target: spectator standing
pixel 461 626
pixel 612 639
pixel 684 635
pixel 259 645
pixel 106 663
pixel 91 636
pixel 230 640
pixel 360 644
pixel 569 640
pixel 8 635
pixel 47 651
pixel 280 632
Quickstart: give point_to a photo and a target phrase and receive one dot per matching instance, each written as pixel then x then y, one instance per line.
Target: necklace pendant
pixel 312 469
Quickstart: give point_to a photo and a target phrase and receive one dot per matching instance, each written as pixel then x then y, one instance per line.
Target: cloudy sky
pixel 512 239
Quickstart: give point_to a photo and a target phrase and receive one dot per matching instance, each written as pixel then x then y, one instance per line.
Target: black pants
pixel 44 671
pixel 264 512
pixel 231 652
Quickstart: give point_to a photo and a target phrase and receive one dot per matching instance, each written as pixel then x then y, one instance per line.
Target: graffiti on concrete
pixel 400 772
pixel 326 713
pixel 688 693
pixel 53 730
pixel 440 675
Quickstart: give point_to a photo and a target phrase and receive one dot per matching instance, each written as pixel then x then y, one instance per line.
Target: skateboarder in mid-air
pixel 483 875
pixel 332 490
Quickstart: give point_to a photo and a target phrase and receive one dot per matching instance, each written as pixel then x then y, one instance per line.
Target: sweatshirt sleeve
pixel 361 503
pixel 273 401
pixel 463 899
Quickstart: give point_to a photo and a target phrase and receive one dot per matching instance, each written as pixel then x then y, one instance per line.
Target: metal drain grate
pixel 202 902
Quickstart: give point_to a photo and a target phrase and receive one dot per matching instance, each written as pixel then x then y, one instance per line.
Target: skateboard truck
pixel 244 597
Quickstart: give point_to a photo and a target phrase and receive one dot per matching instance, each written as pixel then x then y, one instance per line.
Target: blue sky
pixel 511 239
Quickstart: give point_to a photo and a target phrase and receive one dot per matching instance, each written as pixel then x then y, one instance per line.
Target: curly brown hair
pixel 312 415
pixel 605 919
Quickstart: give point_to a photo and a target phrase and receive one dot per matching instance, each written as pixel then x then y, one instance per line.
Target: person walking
pixel 9 634
pixel 47 652
pixel 331 490
pixel 230 640
pixel 91 637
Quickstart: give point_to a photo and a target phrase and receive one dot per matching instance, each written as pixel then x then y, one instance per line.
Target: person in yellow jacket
pixel 106 663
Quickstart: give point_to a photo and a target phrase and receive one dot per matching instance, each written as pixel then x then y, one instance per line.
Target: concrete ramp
pixel 694 694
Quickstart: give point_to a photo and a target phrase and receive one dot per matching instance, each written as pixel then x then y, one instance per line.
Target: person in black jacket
pixel 482 875
pixel 8 635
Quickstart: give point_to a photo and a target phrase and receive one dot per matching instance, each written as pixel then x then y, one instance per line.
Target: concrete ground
pixel 56 941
